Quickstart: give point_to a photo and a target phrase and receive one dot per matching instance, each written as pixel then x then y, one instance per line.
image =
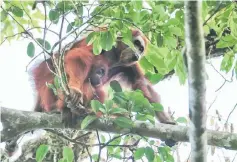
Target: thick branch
pixel 16 122
pixel 194 39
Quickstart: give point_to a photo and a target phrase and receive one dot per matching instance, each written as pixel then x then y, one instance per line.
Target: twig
pixel 123 20
pixel 212 102
pixel 25 30
pixel 86 134
pixel 225 80
pixel 217 9
pixel 100 148
pixel 111 140
pixel 60 33
pixel 88 152
pixel 230 113
pixel 65 137
pixel 33 60
pixel 45 31
pixel 27 14
pixel 234 157
pixel 55 44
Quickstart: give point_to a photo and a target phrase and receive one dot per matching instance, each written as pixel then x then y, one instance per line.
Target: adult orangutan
pixel 119 63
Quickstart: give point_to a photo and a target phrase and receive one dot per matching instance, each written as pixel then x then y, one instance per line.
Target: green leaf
pixel 95 157
pixel 157 159
pixel 51 86
pixel 182 120
pixel 180 69
pixel 106 41
pixel 159 40
pixel 61 160
pixel 117 155
pixel 171 62
pixel 103 110
pixel 68 154
pixel 163 51
pixel 41 152
pixel 91 38
pixel 120 99
pixel 31 50
pixel 56 82
pixel 139 102
pixel 47 45
pixel 96 105
pixel 118 111
pixel 155 57
pixel 97 47
pixel 145 64
pixel 54 15
pixel 161 11
pixel 226 41
pixel 3 15
pixel 78 22
pixel 88 120
pixel 149 152
pixel 64 6
pixel 170 158
pixel 150 118
pixel 157 107
pixel 144 16
pixel 154 78
pixel 139 153
pixel 70 26
pixel 164 152
pixel 141 117
pixel 17 11
pixel 137 5
pixel 123 122
pixel 227 61
pixel 108 105
pixel 115 86
pixel 126 33
pixel 116 140
pixel 38 14
pixel 102 138
pixel 170 41
pixel 79 10
pixel 128 42
pixel 172 21
pixel 176 31
pixel 233 26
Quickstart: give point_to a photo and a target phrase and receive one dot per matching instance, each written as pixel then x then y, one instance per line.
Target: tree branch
pixel 16 122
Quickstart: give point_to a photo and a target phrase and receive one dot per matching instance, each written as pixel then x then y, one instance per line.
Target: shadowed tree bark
pixel 194 38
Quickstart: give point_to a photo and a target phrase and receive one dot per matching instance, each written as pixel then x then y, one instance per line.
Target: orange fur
pixel 78 62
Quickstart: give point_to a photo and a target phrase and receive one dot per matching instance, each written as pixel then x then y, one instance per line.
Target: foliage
pixel 163 24
pixel 41 152
pixel 132 105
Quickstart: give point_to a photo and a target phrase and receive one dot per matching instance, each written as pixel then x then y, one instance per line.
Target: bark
pixel 21 121
pixel 196 79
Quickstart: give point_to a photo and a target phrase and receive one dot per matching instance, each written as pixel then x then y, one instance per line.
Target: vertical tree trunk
pixel 196 77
